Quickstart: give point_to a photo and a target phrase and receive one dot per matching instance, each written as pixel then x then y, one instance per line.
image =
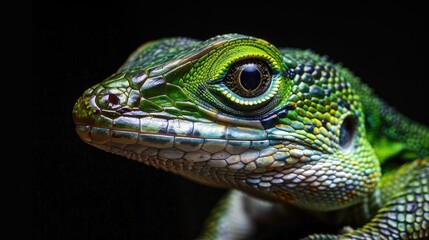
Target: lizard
pixel 288 132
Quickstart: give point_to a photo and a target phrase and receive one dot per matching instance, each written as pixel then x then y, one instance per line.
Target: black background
pixel 80 192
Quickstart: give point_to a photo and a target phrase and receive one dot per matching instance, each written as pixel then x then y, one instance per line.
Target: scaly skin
pixel 300 134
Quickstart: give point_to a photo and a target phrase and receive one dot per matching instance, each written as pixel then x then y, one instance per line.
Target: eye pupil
pixel 250 78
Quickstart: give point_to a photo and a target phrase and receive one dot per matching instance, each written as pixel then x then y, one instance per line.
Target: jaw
pixel 276 170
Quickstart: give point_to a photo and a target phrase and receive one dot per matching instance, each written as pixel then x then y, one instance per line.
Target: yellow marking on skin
pixel 354 163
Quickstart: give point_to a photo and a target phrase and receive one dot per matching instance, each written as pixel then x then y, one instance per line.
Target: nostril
pixel 113 99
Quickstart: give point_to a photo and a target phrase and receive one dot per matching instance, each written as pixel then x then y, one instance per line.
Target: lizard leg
pixel 237 216
pixel 405 212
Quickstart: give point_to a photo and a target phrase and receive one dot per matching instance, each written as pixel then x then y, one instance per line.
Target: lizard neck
pixel 355 215
pixel 390 133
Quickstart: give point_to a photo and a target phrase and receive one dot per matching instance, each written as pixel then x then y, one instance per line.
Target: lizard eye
pixel 248 78
pixel 347 132
pixel 248 87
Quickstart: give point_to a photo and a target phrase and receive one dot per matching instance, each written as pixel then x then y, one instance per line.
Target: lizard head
pixel 236 112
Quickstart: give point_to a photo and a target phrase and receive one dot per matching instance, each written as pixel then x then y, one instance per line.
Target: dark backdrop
pixel 81 192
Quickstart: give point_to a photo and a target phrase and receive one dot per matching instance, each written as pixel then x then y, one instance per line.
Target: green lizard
pixel 290 133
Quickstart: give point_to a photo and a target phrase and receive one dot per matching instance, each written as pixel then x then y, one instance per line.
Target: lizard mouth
pixel 186 141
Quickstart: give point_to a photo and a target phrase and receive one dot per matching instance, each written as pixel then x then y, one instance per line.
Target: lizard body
pixel 285 129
